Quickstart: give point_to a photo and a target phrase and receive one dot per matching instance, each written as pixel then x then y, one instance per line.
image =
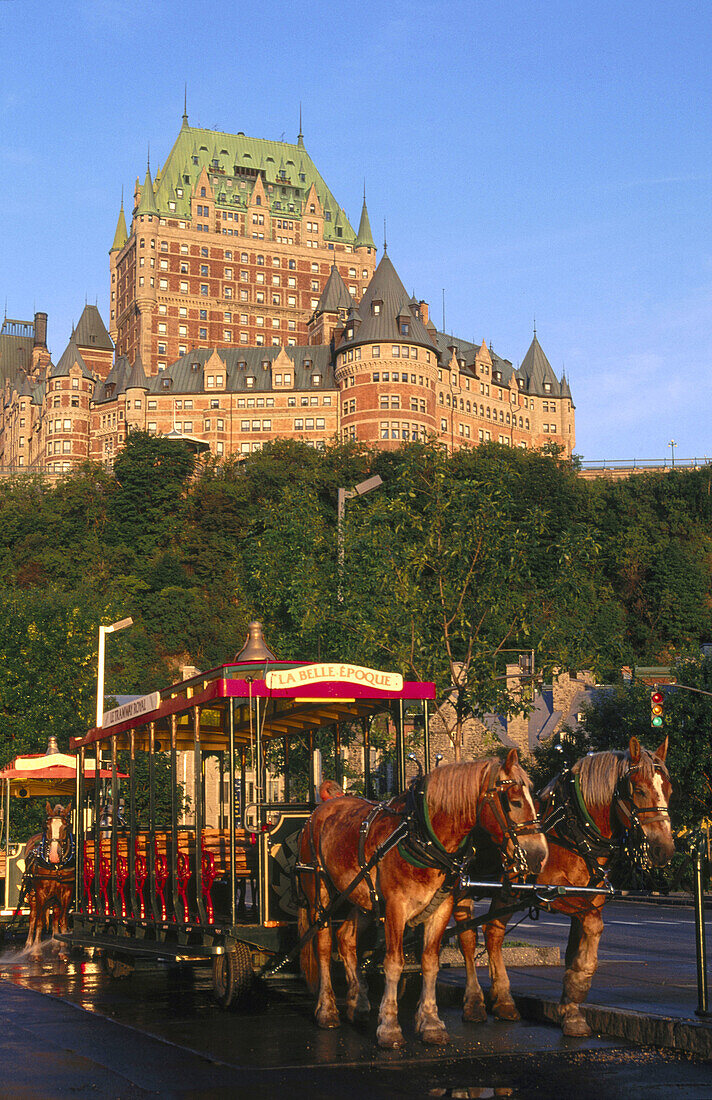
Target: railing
pixel 645 463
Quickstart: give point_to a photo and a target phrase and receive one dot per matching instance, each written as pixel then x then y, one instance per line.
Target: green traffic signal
pixel 656 708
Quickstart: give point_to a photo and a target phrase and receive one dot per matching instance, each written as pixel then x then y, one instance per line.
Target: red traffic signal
pixel 656 708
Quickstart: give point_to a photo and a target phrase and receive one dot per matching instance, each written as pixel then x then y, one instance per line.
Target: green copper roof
pixel 147 202
pixel 287 173
pixel 120 236
pixel 364 237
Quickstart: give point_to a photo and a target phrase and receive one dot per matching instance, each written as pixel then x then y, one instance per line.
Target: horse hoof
pixel 328 1019
pixel 389 1038
pixel 507 1010
pixel 575 1027
pixel 434 1036
pixel 474 1014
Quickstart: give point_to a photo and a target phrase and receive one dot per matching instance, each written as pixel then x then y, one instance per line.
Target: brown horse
pixel 49 874
pixel 437 820
pixel 585 812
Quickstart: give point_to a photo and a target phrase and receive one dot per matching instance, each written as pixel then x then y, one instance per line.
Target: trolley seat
pixel 215 861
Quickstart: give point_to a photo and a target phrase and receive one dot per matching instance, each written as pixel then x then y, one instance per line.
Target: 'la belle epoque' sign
pixel 328 673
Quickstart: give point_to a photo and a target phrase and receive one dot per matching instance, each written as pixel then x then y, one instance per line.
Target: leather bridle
pixel 497 799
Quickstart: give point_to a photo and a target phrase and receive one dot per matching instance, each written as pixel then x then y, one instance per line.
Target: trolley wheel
pixel 116 966
pixel 232 974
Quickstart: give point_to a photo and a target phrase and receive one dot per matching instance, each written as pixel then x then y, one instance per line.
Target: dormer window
pixel 547 387
pixel 166 383
pixel 202 192
pixel 250 380
pixel 376 308
pixel 404 328
pixel 195 366
pixel 316 379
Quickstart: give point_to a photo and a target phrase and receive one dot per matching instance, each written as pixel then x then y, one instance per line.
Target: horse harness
pixel 419 845
pixel 567 822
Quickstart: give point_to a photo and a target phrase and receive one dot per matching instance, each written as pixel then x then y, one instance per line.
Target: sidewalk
pixel 628 1000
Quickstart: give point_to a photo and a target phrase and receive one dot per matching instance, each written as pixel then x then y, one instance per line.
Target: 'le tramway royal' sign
pixel 143 705
pixel 326 673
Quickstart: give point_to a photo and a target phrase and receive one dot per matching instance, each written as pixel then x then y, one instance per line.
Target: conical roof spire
pixel 147 203
pixel 364 237
pixel 185 106
pixel 137 379
pixel 300 135
pixel 120 236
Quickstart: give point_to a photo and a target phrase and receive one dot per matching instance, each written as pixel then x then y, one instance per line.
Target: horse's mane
pixel 455 789
pixel 599 772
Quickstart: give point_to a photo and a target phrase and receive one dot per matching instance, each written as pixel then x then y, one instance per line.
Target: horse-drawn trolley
pixel 191 860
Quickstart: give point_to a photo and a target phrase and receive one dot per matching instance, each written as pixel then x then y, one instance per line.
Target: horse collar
pixel 422 847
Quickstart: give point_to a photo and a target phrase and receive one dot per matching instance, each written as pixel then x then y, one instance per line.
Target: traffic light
pixel 656 708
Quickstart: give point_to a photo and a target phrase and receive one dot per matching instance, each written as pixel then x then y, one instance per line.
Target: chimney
pixel 424 311
pixel 40 330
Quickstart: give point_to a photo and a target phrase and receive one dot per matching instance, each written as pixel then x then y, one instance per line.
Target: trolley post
pixel 426 736
pixel 231 807
pixel 152 819
pixel 400 744
pixel 7 843
pixel 700 938
pixel 174 814
pixel 198 790
pixel 131 853
pixel 114 830
pixel 259 796
pixel 79 831
pixel 366 758
pixel 97 828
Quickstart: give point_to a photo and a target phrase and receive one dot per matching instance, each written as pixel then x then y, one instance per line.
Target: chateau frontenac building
pixel 244 308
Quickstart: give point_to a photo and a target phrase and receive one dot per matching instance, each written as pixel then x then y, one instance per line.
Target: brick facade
pixel 245 308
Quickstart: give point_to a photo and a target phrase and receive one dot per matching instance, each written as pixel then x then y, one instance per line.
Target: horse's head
pixel 642 799
pixel 508 814
pixel 57 832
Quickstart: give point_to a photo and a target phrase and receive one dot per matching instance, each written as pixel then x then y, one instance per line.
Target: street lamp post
pixel 103 631
pixel 673 445
pixel 343 495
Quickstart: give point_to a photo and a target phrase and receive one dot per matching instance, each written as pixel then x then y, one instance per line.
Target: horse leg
pixel 581 963
pixel 357 1003
pixel 503 1006
pixel 388 1033
pixel 473 1007
pixel 428 1024
pixel 29 942
pixel 326 1012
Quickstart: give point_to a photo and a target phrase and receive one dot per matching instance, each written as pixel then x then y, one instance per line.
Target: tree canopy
pixel 451 563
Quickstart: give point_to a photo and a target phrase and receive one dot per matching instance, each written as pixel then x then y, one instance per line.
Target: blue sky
pixel 534 160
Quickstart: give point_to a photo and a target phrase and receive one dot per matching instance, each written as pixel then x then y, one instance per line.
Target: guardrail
pixel 645 463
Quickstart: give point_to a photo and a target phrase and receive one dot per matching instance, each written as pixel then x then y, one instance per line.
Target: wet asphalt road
pixel 632 931
pixel 159 1033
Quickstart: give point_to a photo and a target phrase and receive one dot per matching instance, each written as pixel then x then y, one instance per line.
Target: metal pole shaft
pixel 702 999
pixel 100 681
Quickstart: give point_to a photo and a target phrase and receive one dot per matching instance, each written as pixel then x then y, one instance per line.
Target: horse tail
pixel 307 955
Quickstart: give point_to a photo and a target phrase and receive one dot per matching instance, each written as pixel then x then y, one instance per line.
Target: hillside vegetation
pixel 452 562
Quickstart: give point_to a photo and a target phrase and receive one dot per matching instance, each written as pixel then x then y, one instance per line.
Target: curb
pixel 685 900
pixel 686 1035
pixel 617 1023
